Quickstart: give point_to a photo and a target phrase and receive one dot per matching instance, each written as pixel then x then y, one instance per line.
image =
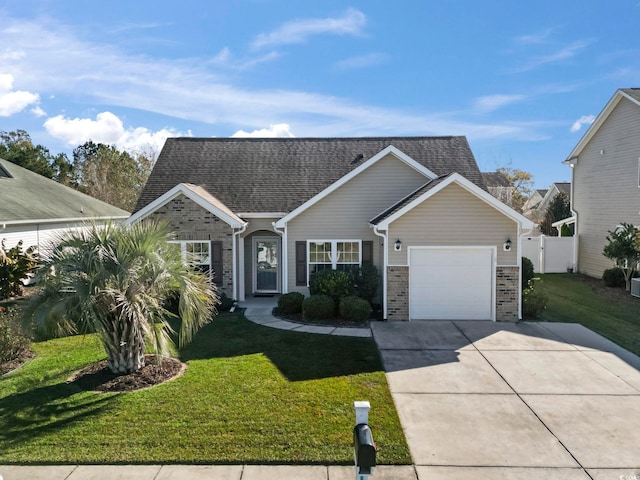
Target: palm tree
pixel 115 281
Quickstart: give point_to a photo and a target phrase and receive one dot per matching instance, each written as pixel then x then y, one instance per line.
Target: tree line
pixel 102 171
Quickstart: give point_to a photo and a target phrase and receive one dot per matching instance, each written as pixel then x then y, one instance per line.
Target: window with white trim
pixel 333 255
pixel 197 254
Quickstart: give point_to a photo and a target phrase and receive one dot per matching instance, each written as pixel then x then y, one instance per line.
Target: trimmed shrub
pixel 354 309
pixel 12 340
pixel 534 299
pixel 614 277
pixel 367 281
pixel 335 283
pixel 527 272
pixel 318 307
pixel 291 302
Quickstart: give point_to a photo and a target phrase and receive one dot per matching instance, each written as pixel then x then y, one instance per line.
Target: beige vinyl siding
pixel 345 213
pixel 606 189
pixel 453 217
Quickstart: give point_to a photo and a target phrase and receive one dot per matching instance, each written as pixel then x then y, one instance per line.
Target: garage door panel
pixel 451 283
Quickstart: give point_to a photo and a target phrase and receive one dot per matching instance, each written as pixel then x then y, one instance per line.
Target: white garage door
pixel 451 284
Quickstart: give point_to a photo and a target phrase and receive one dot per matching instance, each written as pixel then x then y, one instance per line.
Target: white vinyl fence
pixel 549 254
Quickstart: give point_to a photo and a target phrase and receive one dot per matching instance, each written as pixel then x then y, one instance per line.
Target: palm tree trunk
pixel 125 347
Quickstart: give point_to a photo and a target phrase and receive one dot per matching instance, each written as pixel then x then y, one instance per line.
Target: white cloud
pixel 361 61
pixel 535 38
pixel 14 101
pixel 281 130
pixel 565 53
pixel 109 129
pixel 489 103
pixel 583 120
pixel 57 62
pixel 351 23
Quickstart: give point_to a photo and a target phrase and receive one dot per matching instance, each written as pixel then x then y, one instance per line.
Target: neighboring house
pixel 265 214
pixel 530 207
pixel 605 167
pixel 36 210
pixel 552 192
pixel 499 186
pixel 536 206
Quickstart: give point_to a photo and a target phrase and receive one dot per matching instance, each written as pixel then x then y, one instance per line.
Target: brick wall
pixel 398 293
pixel 190 221
pixel 507 294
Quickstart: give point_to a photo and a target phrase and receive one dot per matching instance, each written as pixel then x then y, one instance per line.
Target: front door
pixel 266 269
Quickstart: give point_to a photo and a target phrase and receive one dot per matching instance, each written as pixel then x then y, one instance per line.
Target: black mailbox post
pixel 364 449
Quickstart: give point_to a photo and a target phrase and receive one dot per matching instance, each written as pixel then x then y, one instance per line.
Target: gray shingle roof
pixel 407 200
pixel 495 179
pixel 564 187
pixel 279 174
pixel 632 92
pixel 25 195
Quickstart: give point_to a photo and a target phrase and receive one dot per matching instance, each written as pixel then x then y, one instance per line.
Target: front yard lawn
pixel 612 312
pixel 250 394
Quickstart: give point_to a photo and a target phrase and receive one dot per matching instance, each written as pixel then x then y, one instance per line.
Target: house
pixel 265 214
pixel 530 207
pixel 36 210
pixel 499 186
pixel 605 179
pixel 535 208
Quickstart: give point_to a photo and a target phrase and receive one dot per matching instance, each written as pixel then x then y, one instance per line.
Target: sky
pixel 521 80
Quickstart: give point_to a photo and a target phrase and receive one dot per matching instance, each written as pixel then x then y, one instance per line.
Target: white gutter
pixel 284 252
pixel 384 270
pixel 35 221
pixel 236 237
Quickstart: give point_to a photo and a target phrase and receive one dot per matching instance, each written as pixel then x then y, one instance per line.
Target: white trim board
pixel 183 189
pixel 334 186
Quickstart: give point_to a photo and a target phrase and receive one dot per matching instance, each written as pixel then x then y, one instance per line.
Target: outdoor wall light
pixel 507 245
pixel 397 246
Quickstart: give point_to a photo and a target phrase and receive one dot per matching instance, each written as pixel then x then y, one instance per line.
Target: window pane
pixel 197 252
pixel 348 252
pixel 320 252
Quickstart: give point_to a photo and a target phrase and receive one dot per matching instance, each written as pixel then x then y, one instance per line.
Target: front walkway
pixel 258 310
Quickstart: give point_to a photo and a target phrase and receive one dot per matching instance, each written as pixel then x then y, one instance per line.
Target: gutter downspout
pixel 284 288
pixel 575 225
pixel 236 237
pixel 384 270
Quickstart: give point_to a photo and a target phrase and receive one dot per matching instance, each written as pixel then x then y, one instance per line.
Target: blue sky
pixel 522 80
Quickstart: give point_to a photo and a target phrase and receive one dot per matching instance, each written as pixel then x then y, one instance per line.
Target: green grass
pixel 250 394
pixel 609 312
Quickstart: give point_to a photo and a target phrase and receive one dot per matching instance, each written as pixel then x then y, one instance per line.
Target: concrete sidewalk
pixel 258 310
pixel 513 401
pixel 199 472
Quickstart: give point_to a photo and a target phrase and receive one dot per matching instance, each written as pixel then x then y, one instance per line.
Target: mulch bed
pixel 598 286
pixel 98 378
pixel 6 367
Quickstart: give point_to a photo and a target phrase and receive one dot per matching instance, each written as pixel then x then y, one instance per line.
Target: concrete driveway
pixel 513 401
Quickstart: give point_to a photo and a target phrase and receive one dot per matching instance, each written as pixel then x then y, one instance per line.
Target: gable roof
pixel 495 179
pixel 27 197
pixel 564 187
pixel 390 150
pixel 631 94
pixel 280 174
pixel 434 186
pixel 197 194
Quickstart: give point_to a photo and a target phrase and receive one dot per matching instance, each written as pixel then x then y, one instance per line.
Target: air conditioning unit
pixel 635 287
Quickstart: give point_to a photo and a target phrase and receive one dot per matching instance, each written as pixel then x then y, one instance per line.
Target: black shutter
pixel 216 262
pixel 367 252
pixel 301 264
